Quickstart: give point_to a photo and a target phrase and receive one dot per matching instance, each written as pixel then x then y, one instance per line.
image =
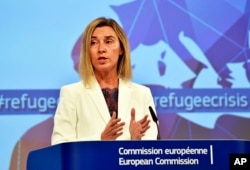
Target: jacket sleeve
pixel 65 118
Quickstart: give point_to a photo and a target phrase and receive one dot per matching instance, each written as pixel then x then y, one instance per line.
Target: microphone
pixel 155 119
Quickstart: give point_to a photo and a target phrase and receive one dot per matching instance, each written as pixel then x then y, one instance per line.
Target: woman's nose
pixel 102 48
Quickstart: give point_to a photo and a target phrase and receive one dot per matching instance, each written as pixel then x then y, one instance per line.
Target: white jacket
pixel 82 112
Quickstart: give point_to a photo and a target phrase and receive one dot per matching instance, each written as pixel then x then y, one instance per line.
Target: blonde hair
pixel 86 70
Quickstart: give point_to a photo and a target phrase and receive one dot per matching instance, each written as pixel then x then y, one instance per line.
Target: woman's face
pixel 105 49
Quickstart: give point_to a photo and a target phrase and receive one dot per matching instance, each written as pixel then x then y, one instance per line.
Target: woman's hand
pixel 113 129
pixel 138 129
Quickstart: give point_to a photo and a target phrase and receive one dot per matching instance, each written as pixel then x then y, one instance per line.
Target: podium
pixel 160 154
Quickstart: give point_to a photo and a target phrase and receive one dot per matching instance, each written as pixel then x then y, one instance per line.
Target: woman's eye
pixel 109 41
pixel 92 42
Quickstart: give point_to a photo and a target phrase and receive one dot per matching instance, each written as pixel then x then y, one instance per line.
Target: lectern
pixel 160 154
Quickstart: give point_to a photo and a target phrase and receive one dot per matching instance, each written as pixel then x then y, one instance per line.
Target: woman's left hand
pixel 138 129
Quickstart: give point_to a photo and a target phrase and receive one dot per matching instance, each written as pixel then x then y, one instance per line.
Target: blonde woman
pixel 105 104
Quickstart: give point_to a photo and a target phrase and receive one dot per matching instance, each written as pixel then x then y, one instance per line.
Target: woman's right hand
pixel 113 129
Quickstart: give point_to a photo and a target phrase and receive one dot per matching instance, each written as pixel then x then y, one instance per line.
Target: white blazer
pixel 82 112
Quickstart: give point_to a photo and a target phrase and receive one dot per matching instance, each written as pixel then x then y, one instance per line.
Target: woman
pixel 105 105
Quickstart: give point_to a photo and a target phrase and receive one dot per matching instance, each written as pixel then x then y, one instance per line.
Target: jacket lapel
pixel 124 99
pixel 97 97
pixel 124 95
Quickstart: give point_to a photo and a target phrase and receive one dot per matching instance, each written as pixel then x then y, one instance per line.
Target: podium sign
pixel 161 154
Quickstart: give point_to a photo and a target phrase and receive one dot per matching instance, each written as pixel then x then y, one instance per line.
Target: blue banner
pixel 201 100
pixel 28 101
pixel 172 155
pixel 166 101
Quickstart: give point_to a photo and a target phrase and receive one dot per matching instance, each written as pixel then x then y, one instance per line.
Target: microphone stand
pixel 155 119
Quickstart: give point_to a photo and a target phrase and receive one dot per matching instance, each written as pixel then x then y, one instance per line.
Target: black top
pixel 111 97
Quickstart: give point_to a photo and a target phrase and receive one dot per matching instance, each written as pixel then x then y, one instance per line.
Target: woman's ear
pixel 121 52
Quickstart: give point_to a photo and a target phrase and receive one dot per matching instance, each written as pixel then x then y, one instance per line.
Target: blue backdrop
pixel 194 55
